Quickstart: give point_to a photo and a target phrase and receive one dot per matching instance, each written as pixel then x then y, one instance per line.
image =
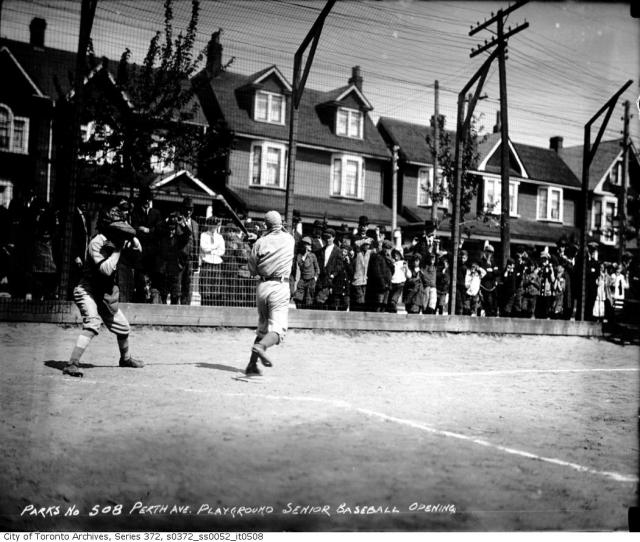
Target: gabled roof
pixel 540 164
pixel 411 138
pixel 606 154
pixel 4 50
pixel 262 75
pixel 337 95
pixel 184 183
pixel 227 95
pixel 50 70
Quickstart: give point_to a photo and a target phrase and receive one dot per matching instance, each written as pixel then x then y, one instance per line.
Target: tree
pixel 446 165
pixel 147 127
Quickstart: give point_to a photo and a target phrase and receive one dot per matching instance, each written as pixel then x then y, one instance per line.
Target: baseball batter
pixel 97 293
pixel 271 259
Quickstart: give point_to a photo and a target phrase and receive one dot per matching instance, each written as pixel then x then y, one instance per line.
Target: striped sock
pixel 123 345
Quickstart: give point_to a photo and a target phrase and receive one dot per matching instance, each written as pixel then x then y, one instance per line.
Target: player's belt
pixel 274 278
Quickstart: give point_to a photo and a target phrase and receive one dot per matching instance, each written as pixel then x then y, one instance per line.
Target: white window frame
pixel 423 197
pixel 162 162
pixel 600 224
pixel 263 172
pixel 11 123
pixel 615 173
pixel 6 195
pixel 89 129
pixel 547 217
pixel 514 189
pixel 338 187
pixel 348 131
pixel 270 118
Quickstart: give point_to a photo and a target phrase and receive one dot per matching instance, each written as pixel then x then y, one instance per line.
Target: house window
pixel 349 123
pixel 347 176
pixel 269 107
pixel 268 164
pixel 615 173
pixel 425 186
pixel 6 193
pixel 549 204
pixel 493 196
pixel 99 135
pixel 14 132
pixel 607 226
pixel 596 221
pixel 162 156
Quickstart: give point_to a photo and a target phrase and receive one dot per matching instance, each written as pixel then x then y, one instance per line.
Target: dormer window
pixel 14 132
pixel 615 173
pixel 269 107
pixel 349 122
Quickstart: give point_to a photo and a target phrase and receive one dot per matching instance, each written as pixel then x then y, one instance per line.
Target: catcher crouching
pixel 97 293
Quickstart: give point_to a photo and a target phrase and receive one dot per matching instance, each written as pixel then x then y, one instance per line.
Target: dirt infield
pixel 349 431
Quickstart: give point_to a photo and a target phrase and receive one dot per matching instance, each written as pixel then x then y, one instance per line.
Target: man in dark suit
pixel 145 219
pixel 330 282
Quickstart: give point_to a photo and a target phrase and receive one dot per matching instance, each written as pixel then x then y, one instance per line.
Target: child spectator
pixel 531 291
pixel 443 280
pixel 309 270
pixel 398 280
pixel 472 284
pixel 544 307
pixel 461 289
pixel 430 290
pixel 508 289
pixel 359 280
pixel 619 284
pixel 561 293
pixel 413 291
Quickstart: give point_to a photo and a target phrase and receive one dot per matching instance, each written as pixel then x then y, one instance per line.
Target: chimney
pixel 356 77
pixel 214 54
pixel 37 28
pixel 497 127
pixel 555 143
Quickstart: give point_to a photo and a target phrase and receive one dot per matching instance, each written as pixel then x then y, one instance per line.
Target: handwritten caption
pixel 290 509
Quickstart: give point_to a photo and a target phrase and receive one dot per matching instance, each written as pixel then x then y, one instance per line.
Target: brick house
pixel 341 159
pixel 605 182
pixel 544 190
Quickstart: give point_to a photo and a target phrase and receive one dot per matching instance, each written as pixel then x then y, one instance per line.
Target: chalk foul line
pixel 616 476
pixel 521 371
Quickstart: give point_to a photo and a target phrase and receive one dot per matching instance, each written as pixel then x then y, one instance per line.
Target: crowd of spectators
pixel 341 269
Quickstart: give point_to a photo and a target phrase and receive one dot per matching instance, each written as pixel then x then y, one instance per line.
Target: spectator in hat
pixel 330 287
pixel 212 248
pixel 489 282
pixel 360 268
pixel 308 271
pixel 316 236
pixel 413 291
pixel 473 280
pixel 544 307
pixel 361 230
pixel 507 289
pixel 145 220
pixel 379 275
pixel 173 237
pixel 592 275
pixel 461 288
pixel 531 290
pixel 190 251
pixel 427 244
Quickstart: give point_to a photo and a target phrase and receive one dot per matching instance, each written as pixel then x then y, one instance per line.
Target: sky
pixel 561 70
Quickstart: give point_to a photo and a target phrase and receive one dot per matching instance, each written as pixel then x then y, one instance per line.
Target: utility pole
pixel 87 13
pixel 501 42
pixel 394 189
pixel 462 131
pixel 622 202
pixel 299 81
pixel 436 152
pixel 588 153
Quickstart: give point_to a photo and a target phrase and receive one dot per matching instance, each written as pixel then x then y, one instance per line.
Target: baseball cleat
pixel 72 369
pixel 131 362
pixel 261 351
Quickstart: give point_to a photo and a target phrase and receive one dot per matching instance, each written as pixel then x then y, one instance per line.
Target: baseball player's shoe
pixel 252 370
pixel 261 351
pixel 131 362
pixel 72 369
